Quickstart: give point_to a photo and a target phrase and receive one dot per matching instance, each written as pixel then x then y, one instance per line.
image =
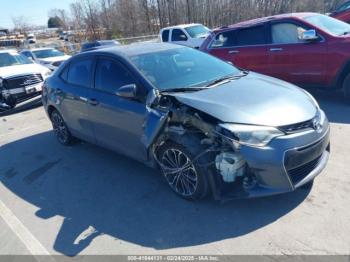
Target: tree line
pixel 127 18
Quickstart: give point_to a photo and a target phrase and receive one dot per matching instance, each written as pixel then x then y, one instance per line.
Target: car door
pixel 117 121
pixel 293 59
pixel 178 36
pixel 245 48
pixel 72 96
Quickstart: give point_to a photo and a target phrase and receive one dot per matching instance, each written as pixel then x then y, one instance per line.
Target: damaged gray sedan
pixel 210 127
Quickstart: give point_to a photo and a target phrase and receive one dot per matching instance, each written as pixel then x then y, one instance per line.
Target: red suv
pixel 307 49
pixel 342 12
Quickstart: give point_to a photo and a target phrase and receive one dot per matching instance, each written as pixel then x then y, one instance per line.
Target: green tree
pixel 54 22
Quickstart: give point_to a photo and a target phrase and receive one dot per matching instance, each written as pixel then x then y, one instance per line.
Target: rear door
pixel 72 94
pixel 245 47
pixel 293 59
pixel 117 121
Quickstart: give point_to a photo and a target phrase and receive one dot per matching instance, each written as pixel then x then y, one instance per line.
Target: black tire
pixel 60 128
pixel 192 182
pixel 346 88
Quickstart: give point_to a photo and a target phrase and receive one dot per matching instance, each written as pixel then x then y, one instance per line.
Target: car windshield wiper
pixel 227 78
pixel 183 89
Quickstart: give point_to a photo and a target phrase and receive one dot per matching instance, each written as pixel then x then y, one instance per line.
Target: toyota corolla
pixel 210 127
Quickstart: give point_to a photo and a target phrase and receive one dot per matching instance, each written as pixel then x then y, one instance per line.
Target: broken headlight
pixel 257 136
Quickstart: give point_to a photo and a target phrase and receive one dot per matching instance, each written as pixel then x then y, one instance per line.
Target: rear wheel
pixel 182 171
pixel 60 128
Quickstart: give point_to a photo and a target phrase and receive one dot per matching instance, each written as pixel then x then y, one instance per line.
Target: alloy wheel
pixel 179 172
pixel 59 127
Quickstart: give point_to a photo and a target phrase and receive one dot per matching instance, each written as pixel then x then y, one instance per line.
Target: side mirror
pixel 309 35
pixel 127 91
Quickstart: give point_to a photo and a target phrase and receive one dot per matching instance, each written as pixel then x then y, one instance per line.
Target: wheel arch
pixel 345 70
pixel 50 109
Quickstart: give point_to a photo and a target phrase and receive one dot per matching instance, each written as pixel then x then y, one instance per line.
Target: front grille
pixel 23 81
pixel 289 129
pixel 299 173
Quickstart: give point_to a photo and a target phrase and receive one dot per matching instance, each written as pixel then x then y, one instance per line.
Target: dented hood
pixel 254 99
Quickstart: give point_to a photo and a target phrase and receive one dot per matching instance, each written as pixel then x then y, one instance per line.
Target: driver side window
pixel 287 33
pixel 110 75
pixel 178 35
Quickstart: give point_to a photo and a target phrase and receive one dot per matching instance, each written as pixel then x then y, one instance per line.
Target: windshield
pixel 11 59
pixel 47 53
pixel 182 67
pixel 197 31
pixel 343 7
pixel 329 24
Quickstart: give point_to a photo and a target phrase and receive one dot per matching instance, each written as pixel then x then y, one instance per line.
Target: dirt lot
pixel 87 200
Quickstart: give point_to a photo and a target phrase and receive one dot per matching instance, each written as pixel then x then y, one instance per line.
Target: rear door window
pixel 251 36
pixel 165 36
pixel 80 72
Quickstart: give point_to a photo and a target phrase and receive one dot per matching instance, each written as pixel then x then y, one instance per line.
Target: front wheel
pixel 185 176
pixel 60 129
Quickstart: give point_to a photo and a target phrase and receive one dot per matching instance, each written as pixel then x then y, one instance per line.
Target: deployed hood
pixel 55 59
pixel 9 71
pixel 254 99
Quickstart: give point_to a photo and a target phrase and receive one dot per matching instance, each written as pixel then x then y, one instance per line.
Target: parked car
pixel 62 35
pixel 20 78
pixel 191 35
pixel 307 49
pixel 31 39
pixel 49 57
pixel 342 12
pixel 208 125
pixel 87 46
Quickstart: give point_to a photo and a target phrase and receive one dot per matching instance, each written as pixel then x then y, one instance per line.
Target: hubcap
pixel 59 128
pixel 179 172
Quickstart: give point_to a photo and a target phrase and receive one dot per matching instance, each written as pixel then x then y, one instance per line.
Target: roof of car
pixel 136 49
pixel 180 26
pixel 257 21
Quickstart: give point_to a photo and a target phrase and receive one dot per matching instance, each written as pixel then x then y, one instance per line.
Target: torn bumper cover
pixel 287 163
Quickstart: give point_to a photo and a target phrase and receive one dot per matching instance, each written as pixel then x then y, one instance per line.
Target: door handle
pixel 276 49
pixel 93 102
pixel 233 52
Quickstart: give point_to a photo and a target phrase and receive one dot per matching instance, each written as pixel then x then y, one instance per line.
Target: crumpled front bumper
pixel 286 164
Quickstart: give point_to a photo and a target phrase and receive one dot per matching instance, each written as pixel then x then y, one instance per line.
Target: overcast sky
pixel 35 10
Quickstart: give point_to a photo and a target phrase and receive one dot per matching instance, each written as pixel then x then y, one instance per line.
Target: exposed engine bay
pixel 169 119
